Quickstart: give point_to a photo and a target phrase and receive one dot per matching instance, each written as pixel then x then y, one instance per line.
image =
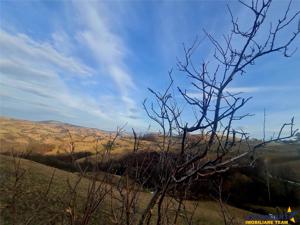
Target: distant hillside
pixel 51 136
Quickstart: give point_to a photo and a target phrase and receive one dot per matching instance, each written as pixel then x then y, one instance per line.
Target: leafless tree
pixel 208 146
pixel 98 188
pixel 215 107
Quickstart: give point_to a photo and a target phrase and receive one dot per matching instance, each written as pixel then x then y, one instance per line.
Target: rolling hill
pixel 52 137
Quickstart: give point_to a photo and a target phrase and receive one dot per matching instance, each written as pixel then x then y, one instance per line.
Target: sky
pixel 90 62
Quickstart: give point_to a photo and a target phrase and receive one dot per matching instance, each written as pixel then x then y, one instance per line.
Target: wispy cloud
pixel 257 89
pixel 95 62
pixel 29 73
pixel 36 77
pixel 25 48
pixel 107 47
pixel 249 90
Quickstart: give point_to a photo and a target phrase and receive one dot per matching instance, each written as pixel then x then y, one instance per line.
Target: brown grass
pixel 37 177
pixel 22 135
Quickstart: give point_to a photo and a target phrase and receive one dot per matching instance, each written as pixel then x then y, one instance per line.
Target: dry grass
pixel 35 182
pixel 51 137
pixel 283 160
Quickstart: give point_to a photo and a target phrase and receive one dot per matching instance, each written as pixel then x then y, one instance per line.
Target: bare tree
pixel 208 146
pixel 215 107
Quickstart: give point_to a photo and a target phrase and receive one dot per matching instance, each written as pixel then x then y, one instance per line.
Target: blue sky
pixel 90 62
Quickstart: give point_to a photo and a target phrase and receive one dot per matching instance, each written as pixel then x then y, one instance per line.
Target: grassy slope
pixel 51 137
pixel 283 160
pixel 36 180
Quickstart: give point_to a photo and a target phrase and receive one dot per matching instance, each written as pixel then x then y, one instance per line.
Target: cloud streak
pixel 107 47
pixel 29 73
pixel 94 63
pixel 24 47
pixel 248 90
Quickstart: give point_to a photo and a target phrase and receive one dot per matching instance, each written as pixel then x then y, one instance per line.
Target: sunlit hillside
pixel 53 137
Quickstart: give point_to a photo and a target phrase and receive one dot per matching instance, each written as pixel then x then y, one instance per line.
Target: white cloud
pixel 29 73
pixel 247 89
pixel 256 89
pixel 62 42
pixel 107 47
pixel 243 89
pixel 34 76
pixel 23 47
